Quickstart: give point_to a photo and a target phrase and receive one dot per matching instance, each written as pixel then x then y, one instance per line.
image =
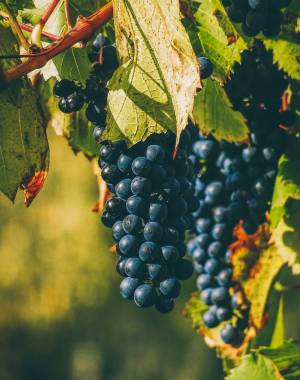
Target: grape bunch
pixel 257 15
pixel 236 184
pixel 73 96
pixel 149 213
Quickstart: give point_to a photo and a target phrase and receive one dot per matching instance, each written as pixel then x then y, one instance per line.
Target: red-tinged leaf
pixel 34 186
pixel 194 310
pixel 253 277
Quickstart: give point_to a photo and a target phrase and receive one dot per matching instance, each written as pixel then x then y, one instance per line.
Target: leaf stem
pixel 48 13
pixel 15 26
pixel 38 29
pixel 68 14
pixel 85 27
pixel 49 36
pixel 29 28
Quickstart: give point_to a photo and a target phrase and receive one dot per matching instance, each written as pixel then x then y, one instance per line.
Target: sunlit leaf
pixel 285 212
pixel 286 52
pixel 153 90
pixel 214 36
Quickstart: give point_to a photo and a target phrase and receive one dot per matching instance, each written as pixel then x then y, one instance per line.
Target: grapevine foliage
pixel 129 93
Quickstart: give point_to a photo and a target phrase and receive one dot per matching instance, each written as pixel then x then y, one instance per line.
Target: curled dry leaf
pixel 34 186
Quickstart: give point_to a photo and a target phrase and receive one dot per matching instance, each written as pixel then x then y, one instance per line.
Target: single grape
pixel 135 267
pixel 164 304
pixel 170 253
pixel 149 251
pixel 128 287
pixel 132 224
pixel 229 334
pixel 170 287
pixel 206 67
pixel 128 245
pixel 64 88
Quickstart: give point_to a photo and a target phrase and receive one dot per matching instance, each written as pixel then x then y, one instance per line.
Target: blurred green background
pixel 61 316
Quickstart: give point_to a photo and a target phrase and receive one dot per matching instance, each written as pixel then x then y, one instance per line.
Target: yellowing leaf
pixel 153 91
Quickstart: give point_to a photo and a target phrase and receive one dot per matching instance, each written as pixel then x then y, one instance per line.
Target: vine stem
pixel 15 26
pixel 68 14
pixel 85 27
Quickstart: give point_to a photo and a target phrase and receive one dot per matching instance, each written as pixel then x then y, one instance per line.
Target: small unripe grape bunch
pixel 149 213
pixel 73 97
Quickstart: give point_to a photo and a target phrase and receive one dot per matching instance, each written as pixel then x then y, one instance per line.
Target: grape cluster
pixel 149 213
pixel 236 185
pixel 73 96
pixel 257 15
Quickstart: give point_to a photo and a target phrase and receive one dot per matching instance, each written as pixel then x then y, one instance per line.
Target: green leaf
pixel 287 181
pixel 214 114
pixel 19 4
pixel 285 210
pixel 279 330
pixel 286 52
pixel 215 37
pixel 286 234
pixel 23 141
pixel 256 367
pixel 81 135
pixel 254 274
pixel 270 364
pixel 153 91
pixel 272 333
pixel 73 64
pixel 286 358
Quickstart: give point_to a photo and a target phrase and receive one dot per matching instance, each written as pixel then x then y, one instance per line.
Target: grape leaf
pixel 254 278
pixel 153 90
pixel 73 63
pixel 270 364
pixel 23 141
pixel 286 52
pixel 254 274
pixel 80 135
pixel 194 310
pixel 285 211
pixel 214 114
pixel 286 358
pixel 279 330
pixel 19 4
pixel 273 332
pixel 255 366
pixel 215 37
